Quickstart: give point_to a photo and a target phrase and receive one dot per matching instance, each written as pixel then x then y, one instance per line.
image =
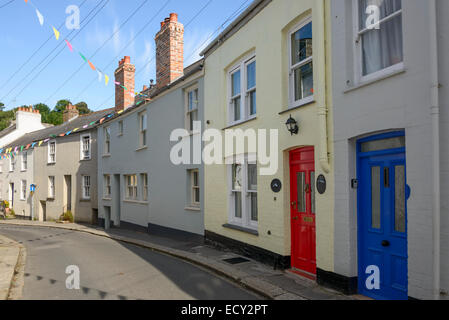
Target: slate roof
pixel 8 130
pixel 78 122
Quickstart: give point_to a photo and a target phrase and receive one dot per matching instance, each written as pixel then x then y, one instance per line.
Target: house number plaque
pixel 321 184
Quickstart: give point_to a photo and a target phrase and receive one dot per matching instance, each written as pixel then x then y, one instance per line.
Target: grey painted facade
pixel 399 101
pixel 169 186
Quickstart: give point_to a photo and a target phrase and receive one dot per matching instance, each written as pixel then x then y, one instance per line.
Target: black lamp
pixel 292 126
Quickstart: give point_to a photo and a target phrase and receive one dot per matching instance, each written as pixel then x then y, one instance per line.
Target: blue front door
pixel 382 217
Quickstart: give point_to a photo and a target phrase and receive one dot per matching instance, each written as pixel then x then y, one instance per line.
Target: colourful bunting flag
pixel 56 33
pixel 40 17
pixel 69 45
pixel 106 79
pixel 85 126
pixel 40 143
pixel 33 144
pixel 100 76
pixel 84 58
pixel 91 65
pixel 76 129
pixel 117 83
pixel 101 121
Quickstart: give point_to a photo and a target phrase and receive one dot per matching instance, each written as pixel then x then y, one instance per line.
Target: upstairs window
pixel 192 107
pixel 24 161
pixel 120 128
pixel 85 147
pixel 379 47
pixel 301 64
pixel 107 141
pixel 242 91
pixel 142 129
pixel 52 152
pixel 12 164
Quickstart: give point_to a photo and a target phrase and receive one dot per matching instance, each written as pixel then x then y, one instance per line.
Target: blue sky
pixel 21 35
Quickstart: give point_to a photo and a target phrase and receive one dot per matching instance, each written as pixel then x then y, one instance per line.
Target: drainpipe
pixel 435 114
pixel 322 109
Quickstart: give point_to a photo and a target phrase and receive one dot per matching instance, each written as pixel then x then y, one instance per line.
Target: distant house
pixel 27 120
pixel 63 168
pixel 139 187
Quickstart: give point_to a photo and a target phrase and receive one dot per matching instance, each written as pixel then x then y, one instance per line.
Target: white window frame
pixel 196 103
pixel 107 190
pixel 107 141
pixel 86 188
pixel 291 76
pixel 144 181
pixel 24 162
pixel 82 156
pixel 193 187
pixel 51 187
pixel 49 160
pixel 23 190
pixel 131 189
pixel 357 49
pixel 143 129
pixel 244 92
pixel 245 221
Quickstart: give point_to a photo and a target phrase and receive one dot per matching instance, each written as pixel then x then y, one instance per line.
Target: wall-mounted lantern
pixel 292 126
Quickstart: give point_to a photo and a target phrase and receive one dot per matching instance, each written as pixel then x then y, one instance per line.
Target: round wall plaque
pixel 276 185
pixel 321 184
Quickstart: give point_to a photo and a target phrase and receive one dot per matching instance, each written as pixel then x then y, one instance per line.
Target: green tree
pixel 54 118
pixel 2 106
pixel 83 108
pixel 61 105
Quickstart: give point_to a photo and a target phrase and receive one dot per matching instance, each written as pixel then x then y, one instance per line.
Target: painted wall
pixel 168 184
pixel 68 163
pixel 21 207
pixel 26 122
pixel 266 35
pixel 401 101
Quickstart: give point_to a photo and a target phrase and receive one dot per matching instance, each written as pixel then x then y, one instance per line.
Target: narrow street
pixel 110 270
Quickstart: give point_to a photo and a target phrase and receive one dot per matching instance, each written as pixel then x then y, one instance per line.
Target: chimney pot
pixel 173 17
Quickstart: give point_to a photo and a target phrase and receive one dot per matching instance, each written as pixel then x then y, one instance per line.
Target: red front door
pixel 302 193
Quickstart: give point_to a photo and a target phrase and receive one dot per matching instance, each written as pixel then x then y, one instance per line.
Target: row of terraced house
pixel 353 118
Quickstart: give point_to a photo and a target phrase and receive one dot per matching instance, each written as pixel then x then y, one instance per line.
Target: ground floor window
pixel 144 177
pixel 243 193
pixel 131 187
pixel 107 186
pixel 51 187
pixel 86 187
pixel 23 189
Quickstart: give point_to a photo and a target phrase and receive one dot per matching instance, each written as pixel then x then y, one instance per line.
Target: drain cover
pixel 236 260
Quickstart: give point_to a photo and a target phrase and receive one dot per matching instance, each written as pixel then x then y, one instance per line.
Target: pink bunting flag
pixel 69 45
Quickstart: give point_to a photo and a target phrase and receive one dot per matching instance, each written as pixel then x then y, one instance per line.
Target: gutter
pixel 435 114
pixel 322 109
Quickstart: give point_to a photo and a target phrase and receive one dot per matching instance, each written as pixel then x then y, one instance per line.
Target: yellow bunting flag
pixel 56 33
pixel 40 143
pixel 106 79
pixel 75 130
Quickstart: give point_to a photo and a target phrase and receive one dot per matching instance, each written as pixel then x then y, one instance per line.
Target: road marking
pixel 48 247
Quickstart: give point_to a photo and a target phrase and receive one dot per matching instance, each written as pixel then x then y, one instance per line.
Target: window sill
pixel 107 199
pixel 192 208
pixel 242 229
pixel 240 123
pixel 51 199
pixel 142 148
pixel 51 163
pixel 136 201
pixel 301 105
pixel 85 200
pixel 377 79
pixel 106 155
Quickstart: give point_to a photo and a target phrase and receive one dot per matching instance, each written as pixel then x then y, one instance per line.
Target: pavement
pixel 250 274
pixel 9 257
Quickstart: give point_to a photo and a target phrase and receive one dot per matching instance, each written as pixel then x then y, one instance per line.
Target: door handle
pixel 385 243
pixel 294 205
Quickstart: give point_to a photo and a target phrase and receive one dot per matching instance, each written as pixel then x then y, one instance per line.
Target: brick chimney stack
pixel 125 76
pixel 70 113
pixel 169 51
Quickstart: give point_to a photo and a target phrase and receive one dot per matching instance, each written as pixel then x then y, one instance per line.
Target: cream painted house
pixel 270 65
